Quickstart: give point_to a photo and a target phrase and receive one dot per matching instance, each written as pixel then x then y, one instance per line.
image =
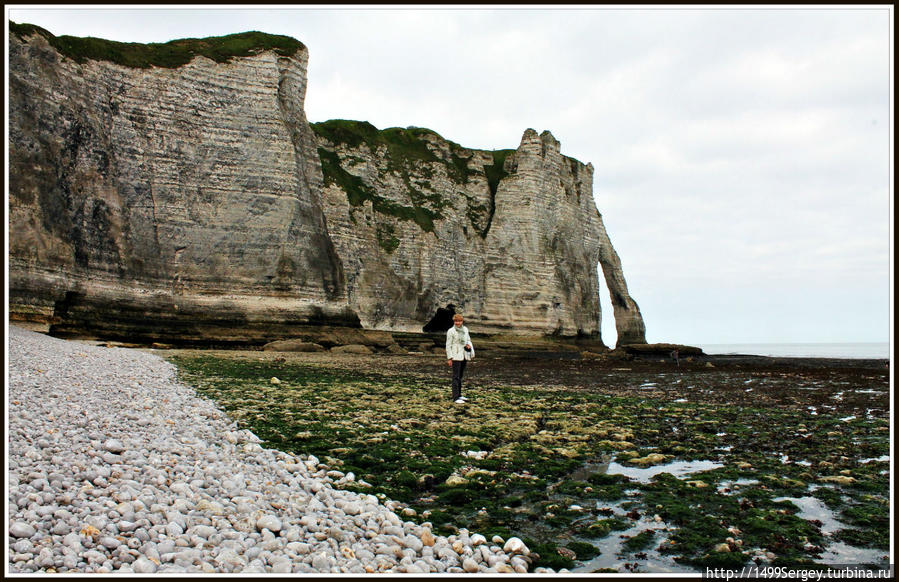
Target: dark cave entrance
pixel 442 320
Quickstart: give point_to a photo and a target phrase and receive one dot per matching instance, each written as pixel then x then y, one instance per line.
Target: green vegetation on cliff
pixel 170 55
pixel 406 154
pixel 405 146
pixel 497 171
pixel 358 192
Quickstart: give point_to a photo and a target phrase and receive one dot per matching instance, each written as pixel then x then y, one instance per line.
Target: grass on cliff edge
pixel 406 154
pixel 169 55
pixel 402 436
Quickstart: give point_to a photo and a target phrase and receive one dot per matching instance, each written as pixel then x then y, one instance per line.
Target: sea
pixel 855 351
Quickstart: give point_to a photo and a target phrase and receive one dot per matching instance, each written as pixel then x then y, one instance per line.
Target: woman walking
pixel 459 350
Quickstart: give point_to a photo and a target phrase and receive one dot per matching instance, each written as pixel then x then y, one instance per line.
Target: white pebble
pixel 516 546
pixel 114 446
pixel 20 529
pixel 269 522
pixel 469 565
pixel 143 566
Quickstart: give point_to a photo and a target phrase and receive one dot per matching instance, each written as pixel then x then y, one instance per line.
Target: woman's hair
pixel 457 317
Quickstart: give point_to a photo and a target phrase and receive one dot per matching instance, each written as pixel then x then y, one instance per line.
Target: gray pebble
pixel 143 566
pixel 22 546
pixel 321 562
pixel 20 529
pixel 138 474
pixel 269 522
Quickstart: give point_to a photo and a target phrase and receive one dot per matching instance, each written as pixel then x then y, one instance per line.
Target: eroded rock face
pixel 188 197
pixel 197 203
pixel 511 239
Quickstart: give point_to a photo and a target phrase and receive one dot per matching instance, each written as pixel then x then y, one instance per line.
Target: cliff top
pixel 169 55
pixel 403 147
pixel 402 143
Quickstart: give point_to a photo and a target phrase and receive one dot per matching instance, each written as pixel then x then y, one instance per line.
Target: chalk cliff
pixel 192 200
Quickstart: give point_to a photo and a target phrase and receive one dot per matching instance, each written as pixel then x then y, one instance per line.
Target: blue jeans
pixel 458 370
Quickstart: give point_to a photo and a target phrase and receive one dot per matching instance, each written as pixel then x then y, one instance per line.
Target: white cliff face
pixel 197 203
pixel 407 226
pixel 517 256
pixel 164 192
pixel 544 243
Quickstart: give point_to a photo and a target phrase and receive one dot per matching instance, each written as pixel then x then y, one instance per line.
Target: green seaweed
pixel 583 550
pixel 549 555
pixel 399 433
pixel 640 541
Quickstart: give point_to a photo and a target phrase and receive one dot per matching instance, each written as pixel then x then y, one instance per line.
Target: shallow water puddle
pixel 614 556
pixel 677 469
pixel 641 475
pixel 811 508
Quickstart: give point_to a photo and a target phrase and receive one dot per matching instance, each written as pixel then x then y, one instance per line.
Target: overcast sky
pixel 742 156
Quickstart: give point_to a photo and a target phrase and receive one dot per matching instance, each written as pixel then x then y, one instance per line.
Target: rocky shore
pixel 114 466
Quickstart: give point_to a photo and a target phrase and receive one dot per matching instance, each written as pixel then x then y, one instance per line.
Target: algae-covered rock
pixel 617 445
pixel 722 547
pixel 650 459
pixel 456 481
pixel 838 479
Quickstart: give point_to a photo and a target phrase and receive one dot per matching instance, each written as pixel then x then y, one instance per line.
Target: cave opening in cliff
pixel 442 320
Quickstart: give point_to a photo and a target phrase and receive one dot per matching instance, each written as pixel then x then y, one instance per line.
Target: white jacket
pixel 455 344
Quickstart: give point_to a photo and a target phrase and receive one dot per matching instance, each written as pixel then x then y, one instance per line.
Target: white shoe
pixel 463 398
pixel 459 401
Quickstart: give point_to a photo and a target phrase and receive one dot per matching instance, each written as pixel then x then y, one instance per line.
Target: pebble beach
pixel 115 466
